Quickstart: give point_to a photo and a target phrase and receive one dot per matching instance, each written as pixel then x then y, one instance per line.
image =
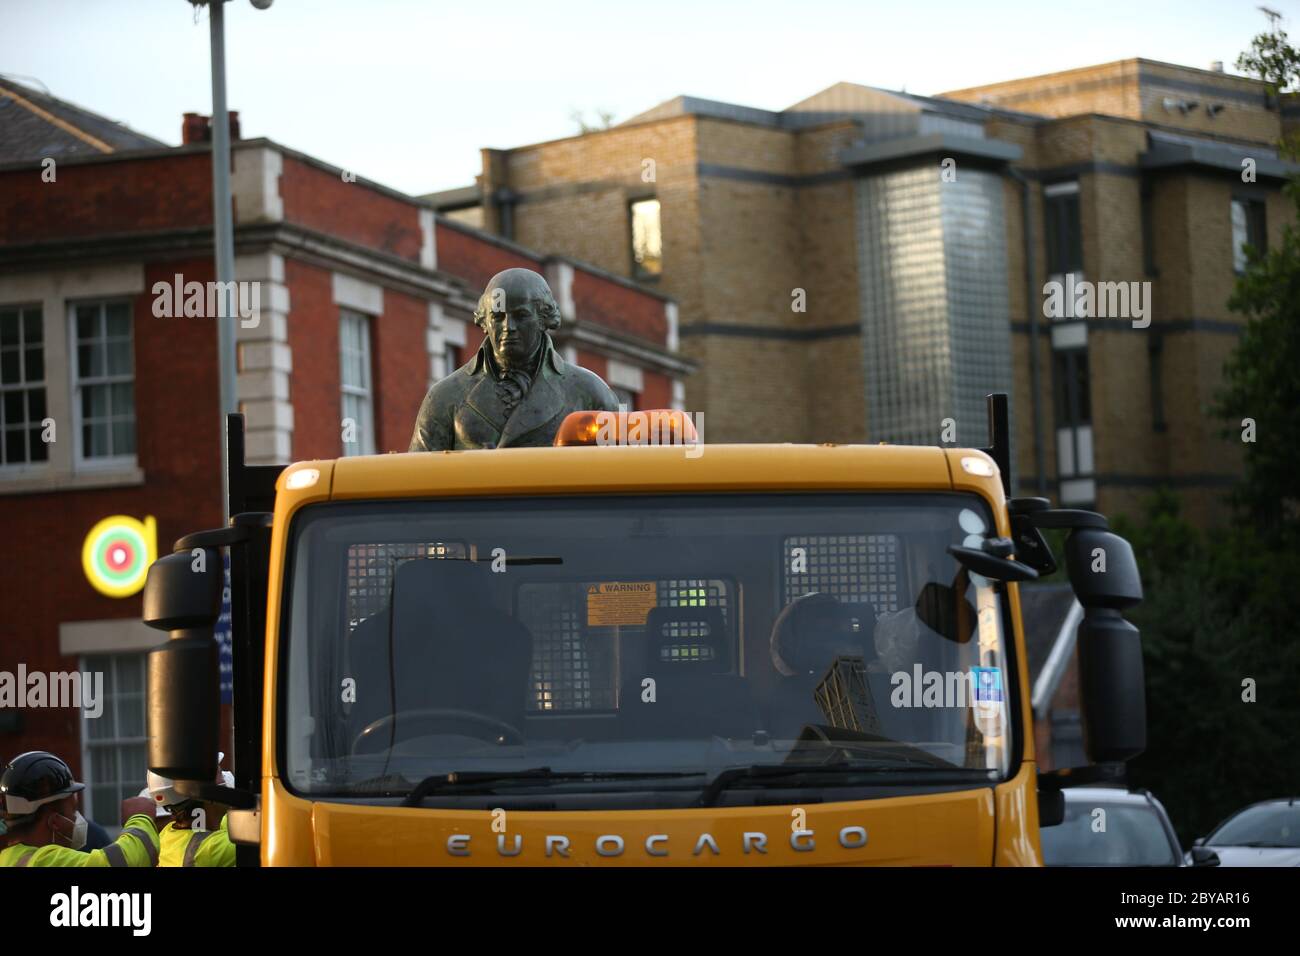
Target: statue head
pixel 515 311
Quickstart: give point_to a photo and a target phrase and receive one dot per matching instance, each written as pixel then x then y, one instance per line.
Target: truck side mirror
pixel 1104 575
pixel 182 595
pixel 1102 569
pixel 1051 807
pixel 1204 856
pixel 1112 688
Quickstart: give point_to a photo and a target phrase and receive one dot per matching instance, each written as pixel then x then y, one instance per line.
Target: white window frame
pixel 29 466
pixel 80 462
pixel 110 814
pixel 365 444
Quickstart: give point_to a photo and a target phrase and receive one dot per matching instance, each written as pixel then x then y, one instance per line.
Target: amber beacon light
pixel 654 426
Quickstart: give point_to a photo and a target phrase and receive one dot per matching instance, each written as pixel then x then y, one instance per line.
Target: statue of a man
pixel 517 389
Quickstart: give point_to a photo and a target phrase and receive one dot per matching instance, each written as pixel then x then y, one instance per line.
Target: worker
pixel 197 834
pixel 43 827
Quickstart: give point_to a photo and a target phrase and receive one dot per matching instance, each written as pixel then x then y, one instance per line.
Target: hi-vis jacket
pixel 196 847
pixel 137 846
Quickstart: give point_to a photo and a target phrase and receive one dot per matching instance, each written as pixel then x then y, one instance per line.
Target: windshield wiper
pixel 765 774
pixel 462 781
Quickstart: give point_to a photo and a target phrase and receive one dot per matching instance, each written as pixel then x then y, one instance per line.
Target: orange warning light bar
pixel 654 426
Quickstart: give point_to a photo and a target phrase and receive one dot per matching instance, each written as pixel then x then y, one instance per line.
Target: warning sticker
pixel 620 602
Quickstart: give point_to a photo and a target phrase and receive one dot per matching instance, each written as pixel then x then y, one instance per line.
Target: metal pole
pixel 223 238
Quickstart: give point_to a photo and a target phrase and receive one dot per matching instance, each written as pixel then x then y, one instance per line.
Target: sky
pixel 406 92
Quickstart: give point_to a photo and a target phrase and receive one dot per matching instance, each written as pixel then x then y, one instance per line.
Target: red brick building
pixel 364 297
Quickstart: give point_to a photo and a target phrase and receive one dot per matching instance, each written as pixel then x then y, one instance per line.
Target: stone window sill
pixel 31 481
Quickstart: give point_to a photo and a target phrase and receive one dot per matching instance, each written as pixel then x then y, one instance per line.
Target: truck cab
pixel 635 655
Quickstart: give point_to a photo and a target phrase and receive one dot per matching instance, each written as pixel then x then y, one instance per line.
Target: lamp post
pixel 223 236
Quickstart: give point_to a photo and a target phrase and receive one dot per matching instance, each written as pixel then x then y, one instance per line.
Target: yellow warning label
pixel 620 602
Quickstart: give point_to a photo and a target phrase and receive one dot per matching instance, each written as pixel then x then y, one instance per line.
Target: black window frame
pixel 1072 387
pixel 1063 229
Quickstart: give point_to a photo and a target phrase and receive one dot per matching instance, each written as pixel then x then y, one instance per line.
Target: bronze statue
pixel 518 389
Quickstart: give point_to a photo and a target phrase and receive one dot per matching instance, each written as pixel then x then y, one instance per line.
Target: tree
pixel 1271 57
pixel 604 120
pixel 1219 619
pixel 1222 666
pixel 1260 397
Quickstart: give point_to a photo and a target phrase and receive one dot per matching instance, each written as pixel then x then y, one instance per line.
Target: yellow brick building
pixel 865 265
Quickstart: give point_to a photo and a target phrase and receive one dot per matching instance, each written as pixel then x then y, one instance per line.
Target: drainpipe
pixel 1040 474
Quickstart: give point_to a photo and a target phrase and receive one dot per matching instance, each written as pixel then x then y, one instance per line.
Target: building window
pixel 1247 231
pixel 104 382
pixel 1064 231
pixel 1074 452
pixel 358 402
pixel 22 386
pixel 113 755
pixel 647 239
pixel 450 359
pixel 626 397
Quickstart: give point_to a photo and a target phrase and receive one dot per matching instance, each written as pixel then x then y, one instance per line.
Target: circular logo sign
pixel 117 553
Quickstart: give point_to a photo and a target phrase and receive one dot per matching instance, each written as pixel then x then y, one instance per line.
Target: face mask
pixel 80 828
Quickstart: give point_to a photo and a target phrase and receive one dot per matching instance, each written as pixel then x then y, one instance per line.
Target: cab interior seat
pixel 451 648
pixel 687 651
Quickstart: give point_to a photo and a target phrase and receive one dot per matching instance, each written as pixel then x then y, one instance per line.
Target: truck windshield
pixel 647 651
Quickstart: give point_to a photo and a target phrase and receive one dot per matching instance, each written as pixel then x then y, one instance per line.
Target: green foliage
pixel 1272 59
pixel 604 120
pixel 1261 382
pixel 1220 609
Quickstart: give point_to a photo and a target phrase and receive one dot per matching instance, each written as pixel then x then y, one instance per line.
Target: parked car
pixel 1262 834
pixel 1109 826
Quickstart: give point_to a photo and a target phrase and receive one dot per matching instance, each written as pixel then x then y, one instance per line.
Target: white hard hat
pixel 162 790
pixel 159 810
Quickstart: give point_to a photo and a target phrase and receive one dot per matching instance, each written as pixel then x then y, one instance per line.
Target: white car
pixel 1262 834
pixel 1110 826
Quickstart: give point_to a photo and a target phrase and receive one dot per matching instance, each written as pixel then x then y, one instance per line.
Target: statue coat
pixel 464 410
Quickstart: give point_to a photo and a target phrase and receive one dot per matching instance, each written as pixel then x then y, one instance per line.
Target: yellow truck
pixel 633 654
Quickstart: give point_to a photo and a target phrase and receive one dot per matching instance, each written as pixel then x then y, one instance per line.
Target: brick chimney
pixel 197 128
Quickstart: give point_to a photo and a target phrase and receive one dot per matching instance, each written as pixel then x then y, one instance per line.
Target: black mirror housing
pixel 183 590
pixel 183 595
pixel 184 709
pixel 1112 687
pixel 1051 808
pixel 1103 570
pixel 1204 856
